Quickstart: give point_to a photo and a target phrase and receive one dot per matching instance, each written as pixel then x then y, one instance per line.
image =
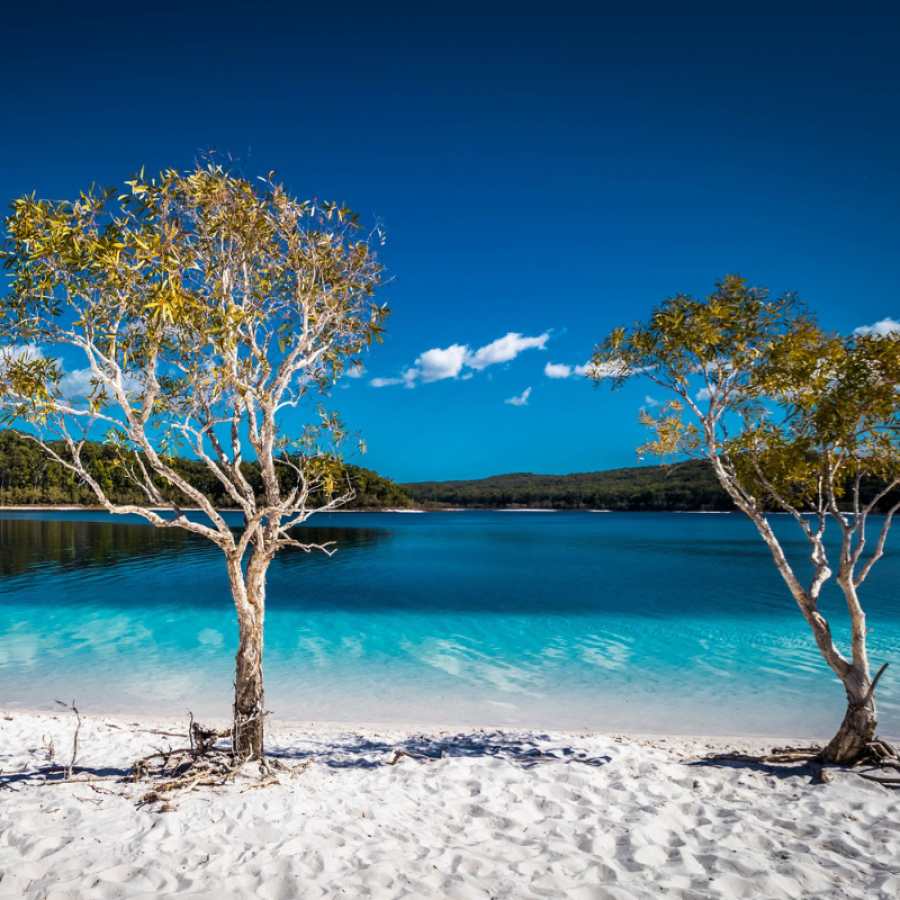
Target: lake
pixel 665 623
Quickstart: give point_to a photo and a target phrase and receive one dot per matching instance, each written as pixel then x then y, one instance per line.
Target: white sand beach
pixel 595 816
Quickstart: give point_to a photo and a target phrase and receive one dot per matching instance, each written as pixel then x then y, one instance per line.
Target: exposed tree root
pixel 173 773
pixel 878 753
pixel 877 780
pixel 778 755
pixel 882 753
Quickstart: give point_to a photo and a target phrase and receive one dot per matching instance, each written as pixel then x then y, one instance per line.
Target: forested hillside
pixel 690 485
pixel 28 477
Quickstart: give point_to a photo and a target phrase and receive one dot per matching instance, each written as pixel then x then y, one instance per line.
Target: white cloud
pixel 703 394
pixel 885 326
pixel 649 401
pixel 354 372
pixel 504 349
pixel 520 401
pixel 25 352
pixel 437 364
pixel 561 370
pixel 557 370
pixel 76 383
pixel 408 378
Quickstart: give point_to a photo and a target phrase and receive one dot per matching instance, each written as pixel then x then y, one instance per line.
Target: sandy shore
pixel 597 816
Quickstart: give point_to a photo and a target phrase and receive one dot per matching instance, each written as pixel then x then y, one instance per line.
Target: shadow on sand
pixel 359 752
pixel 365 752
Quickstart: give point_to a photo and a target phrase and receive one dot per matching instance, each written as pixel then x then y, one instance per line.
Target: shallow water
pixel 642 622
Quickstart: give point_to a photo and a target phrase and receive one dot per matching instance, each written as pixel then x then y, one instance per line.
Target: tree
pixel 792 420
pixel 185 318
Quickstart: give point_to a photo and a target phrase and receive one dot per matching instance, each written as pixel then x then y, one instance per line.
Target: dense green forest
pixel 29 477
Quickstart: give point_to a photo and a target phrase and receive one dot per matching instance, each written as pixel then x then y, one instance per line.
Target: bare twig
pixel 71 767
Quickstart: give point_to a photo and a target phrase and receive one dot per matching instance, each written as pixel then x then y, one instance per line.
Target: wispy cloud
pixel 885 326
pixel 557 370
pixel 440 363
pixel 521 400
pixel 504 349
pixel 561 370
pixel 615 368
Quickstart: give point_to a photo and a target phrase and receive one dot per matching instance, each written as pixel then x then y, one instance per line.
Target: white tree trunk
pixel 249 593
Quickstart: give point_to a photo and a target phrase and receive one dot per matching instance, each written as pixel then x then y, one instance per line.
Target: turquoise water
pixel 642 622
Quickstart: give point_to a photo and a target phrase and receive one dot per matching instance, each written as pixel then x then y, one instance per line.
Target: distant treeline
pixel 29 477
pixel 689 485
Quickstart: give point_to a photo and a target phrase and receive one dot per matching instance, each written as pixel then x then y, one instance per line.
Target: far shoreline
pixel 43 507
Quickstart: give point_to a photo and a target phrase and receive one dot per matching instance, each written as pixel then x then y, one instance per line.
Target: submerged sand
pixel 596 816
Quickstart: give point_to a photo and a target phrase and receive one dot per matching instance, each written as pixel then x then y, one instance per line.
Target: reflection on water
pixel 643 622
pixel 30 544
pixel 26 544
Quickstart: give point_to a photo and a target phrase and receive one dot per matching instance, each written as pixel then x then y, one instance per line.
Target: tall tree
pixel 186 317
pixel 793 420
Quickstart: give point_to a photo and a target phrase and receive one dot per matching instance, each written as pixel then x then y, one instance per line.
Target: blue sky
pixel 542 171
